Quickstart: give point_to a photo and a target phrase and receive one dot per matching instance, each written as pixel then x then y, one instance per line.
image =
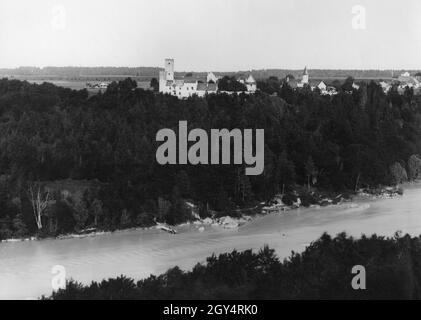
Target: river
pixel 26 267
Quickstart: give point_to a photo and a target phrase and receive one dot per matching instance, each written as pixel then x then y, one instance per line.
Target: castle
pixel 187 87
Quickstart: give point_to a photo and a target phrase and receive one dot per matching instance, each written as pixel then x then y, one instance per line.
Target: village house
pixel 322 86
pixel 402 82
pixel 355 86
pixel 250 83
pixel 385 86
pixel 102 85
pixel 406 80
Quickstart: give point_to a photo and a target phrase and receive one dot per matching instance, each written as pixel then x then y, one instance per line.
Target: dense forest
pixel 322 271
pixel 358 138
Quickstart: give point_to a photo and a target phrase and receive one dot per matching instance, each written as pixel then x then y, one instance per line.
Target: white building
pixel 103 85
pixel 184 88
pixel 251 84
pixel 322 86
pixel 355 86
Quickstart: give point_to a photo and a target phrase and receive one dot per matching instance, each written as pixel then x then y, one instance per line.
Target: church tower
pixel 305 76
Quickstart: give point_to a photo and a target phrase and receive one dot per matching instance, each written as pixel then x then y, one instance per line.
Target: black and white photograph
pixel 213 151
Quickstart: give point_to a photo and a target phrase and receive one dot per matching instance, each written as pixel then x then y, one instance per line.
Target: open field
pixel 81 84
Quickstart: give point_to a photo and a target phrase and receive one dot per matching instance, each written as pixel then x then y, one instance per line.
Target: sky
pixel 217 35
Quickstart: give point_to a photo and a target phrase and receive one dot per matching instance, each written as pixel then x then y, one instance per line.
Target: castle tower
pixel 166 75
pixel 162 81
pixel 169 69
pixel 305 76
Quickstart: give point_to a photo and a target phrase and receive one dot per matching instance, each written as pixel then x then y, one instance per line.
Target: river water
pixel 26 267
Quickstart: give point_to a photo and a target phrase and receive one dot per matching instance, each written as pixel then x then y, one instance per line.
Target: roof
pixel 408 80
pixel 212 87
pixel 250 79
pixel 211 75
pixel 305 73
pixel 315 82
pixel 201 86
pixel 206 87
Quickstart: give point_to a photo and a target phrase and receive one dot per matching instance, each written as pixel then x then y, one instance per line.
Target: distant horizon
pixel 220 35
pixel 204 71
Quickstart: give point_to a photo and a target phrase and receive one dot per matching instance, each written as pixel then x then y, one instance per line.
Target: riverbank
pixel 298 198
pixel 303 197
